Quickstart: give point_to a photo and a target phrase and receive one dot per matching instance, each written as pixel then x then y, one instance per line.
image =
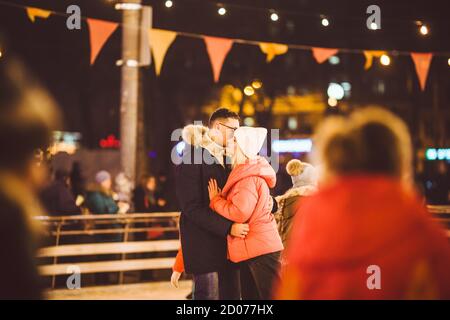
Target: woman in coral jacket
pixel 245 198
pixel 365 234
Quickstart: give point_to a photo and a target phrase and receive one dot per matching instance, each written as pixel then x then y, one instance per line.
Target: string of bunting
pixel 218 47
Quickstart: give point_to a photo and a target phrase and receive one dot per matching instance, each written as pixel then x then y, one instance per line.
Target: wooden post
pixel 129 90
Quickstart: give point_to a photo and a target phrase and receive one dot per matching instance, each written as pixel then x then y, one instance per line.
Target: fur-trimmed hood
pixel 294 192
pixel 198 136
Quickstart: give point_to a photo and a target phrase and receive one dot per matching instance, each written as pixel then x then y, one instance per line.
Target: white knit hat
pixel 250 140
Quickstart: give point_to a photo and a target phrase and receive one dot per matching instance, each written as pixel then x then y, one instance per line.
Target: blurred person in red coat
pixel 366 233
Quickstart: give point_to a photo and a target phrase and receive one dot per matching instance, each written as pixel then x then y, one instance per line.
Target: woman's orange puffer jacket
pixel 245 198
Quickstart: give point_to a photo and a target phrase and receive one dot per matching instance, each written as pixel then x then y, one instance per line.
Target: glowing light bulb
pixel 332 102
pixel 168 4
pixel 249 91
pixel 222 11
pixel 274 16
pixel 424 30
pixel 325 22
pixel 257 84
pixel 385 60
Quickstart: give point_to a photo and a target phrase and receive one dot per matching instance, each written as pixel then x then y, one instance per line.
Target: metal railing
pixel 87 223
pixel 122 224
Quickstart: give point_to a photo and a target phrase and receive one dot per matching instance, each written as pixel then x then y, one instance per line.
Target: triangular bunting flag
pixel 273 49
pixel 218 49
pixel 322 54
pixel 36 12
pixel 99 32
pixel 422 63
pixel 370 54
pixel 160 41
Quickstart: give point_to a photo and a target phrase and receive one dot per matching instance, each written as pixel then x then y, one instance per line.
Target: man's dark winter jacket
pixel 203 232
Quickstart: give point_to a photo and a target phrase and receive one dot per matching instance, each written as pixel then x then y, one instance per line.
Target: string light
pixel 332 102
pixel 249 91
pixel 325 21
pixel 335 91
pixel 373 26
pixel 448 61
pixel 334 60
pixel 423 30
pixel 168 4
pixel 274 16
pixel 128 6
pixel 257 84
pixel 385 60
pixel 222 11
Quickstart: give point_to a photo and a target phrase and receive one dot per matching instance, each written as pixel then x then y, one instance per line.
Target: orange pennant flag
pixel 32 13
pixel 322 54
pixel 99 32
pixel 370 54
pixel 160 41
pixel 218 49
pixel 422 63
pixel 273 49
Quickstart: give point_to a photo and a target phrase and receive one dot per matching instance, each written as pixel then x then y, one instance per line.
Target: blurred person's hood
pixel 198 136
pixel 302 191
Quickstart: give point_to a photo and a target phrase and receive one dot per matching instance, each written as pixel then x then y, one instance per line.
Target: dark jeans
pixel 223 285
pixel 258 275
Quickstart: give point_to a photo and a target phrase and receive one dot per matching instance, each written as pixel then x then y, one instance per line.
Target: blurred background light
pixel 274 16
pixel 335 91
pixel 332 102
pixel 292 145
pixel 249 121
pixel 385 60
pixel 249 91
pixel 334 60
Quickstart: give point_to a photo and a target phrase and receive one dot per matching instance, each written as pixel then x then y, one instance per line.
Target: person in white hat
pixel 245 198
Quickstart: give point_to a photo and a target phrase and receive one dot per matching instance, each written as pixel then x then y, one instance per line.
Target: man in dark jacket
pixel 57 198
pixel 203 233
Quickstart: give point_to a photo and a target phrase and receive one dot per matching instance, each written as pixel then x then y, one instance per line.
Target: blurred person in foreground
pixel 365 234
pixel 27 116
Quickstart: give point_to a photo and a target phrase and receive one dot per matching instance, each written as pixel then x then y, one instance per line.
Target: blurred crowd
pixel 67 193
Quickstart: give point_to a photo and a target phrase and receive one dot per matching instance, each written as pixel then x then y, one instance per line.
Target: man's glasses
pixel 229 133
pixel 229 127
